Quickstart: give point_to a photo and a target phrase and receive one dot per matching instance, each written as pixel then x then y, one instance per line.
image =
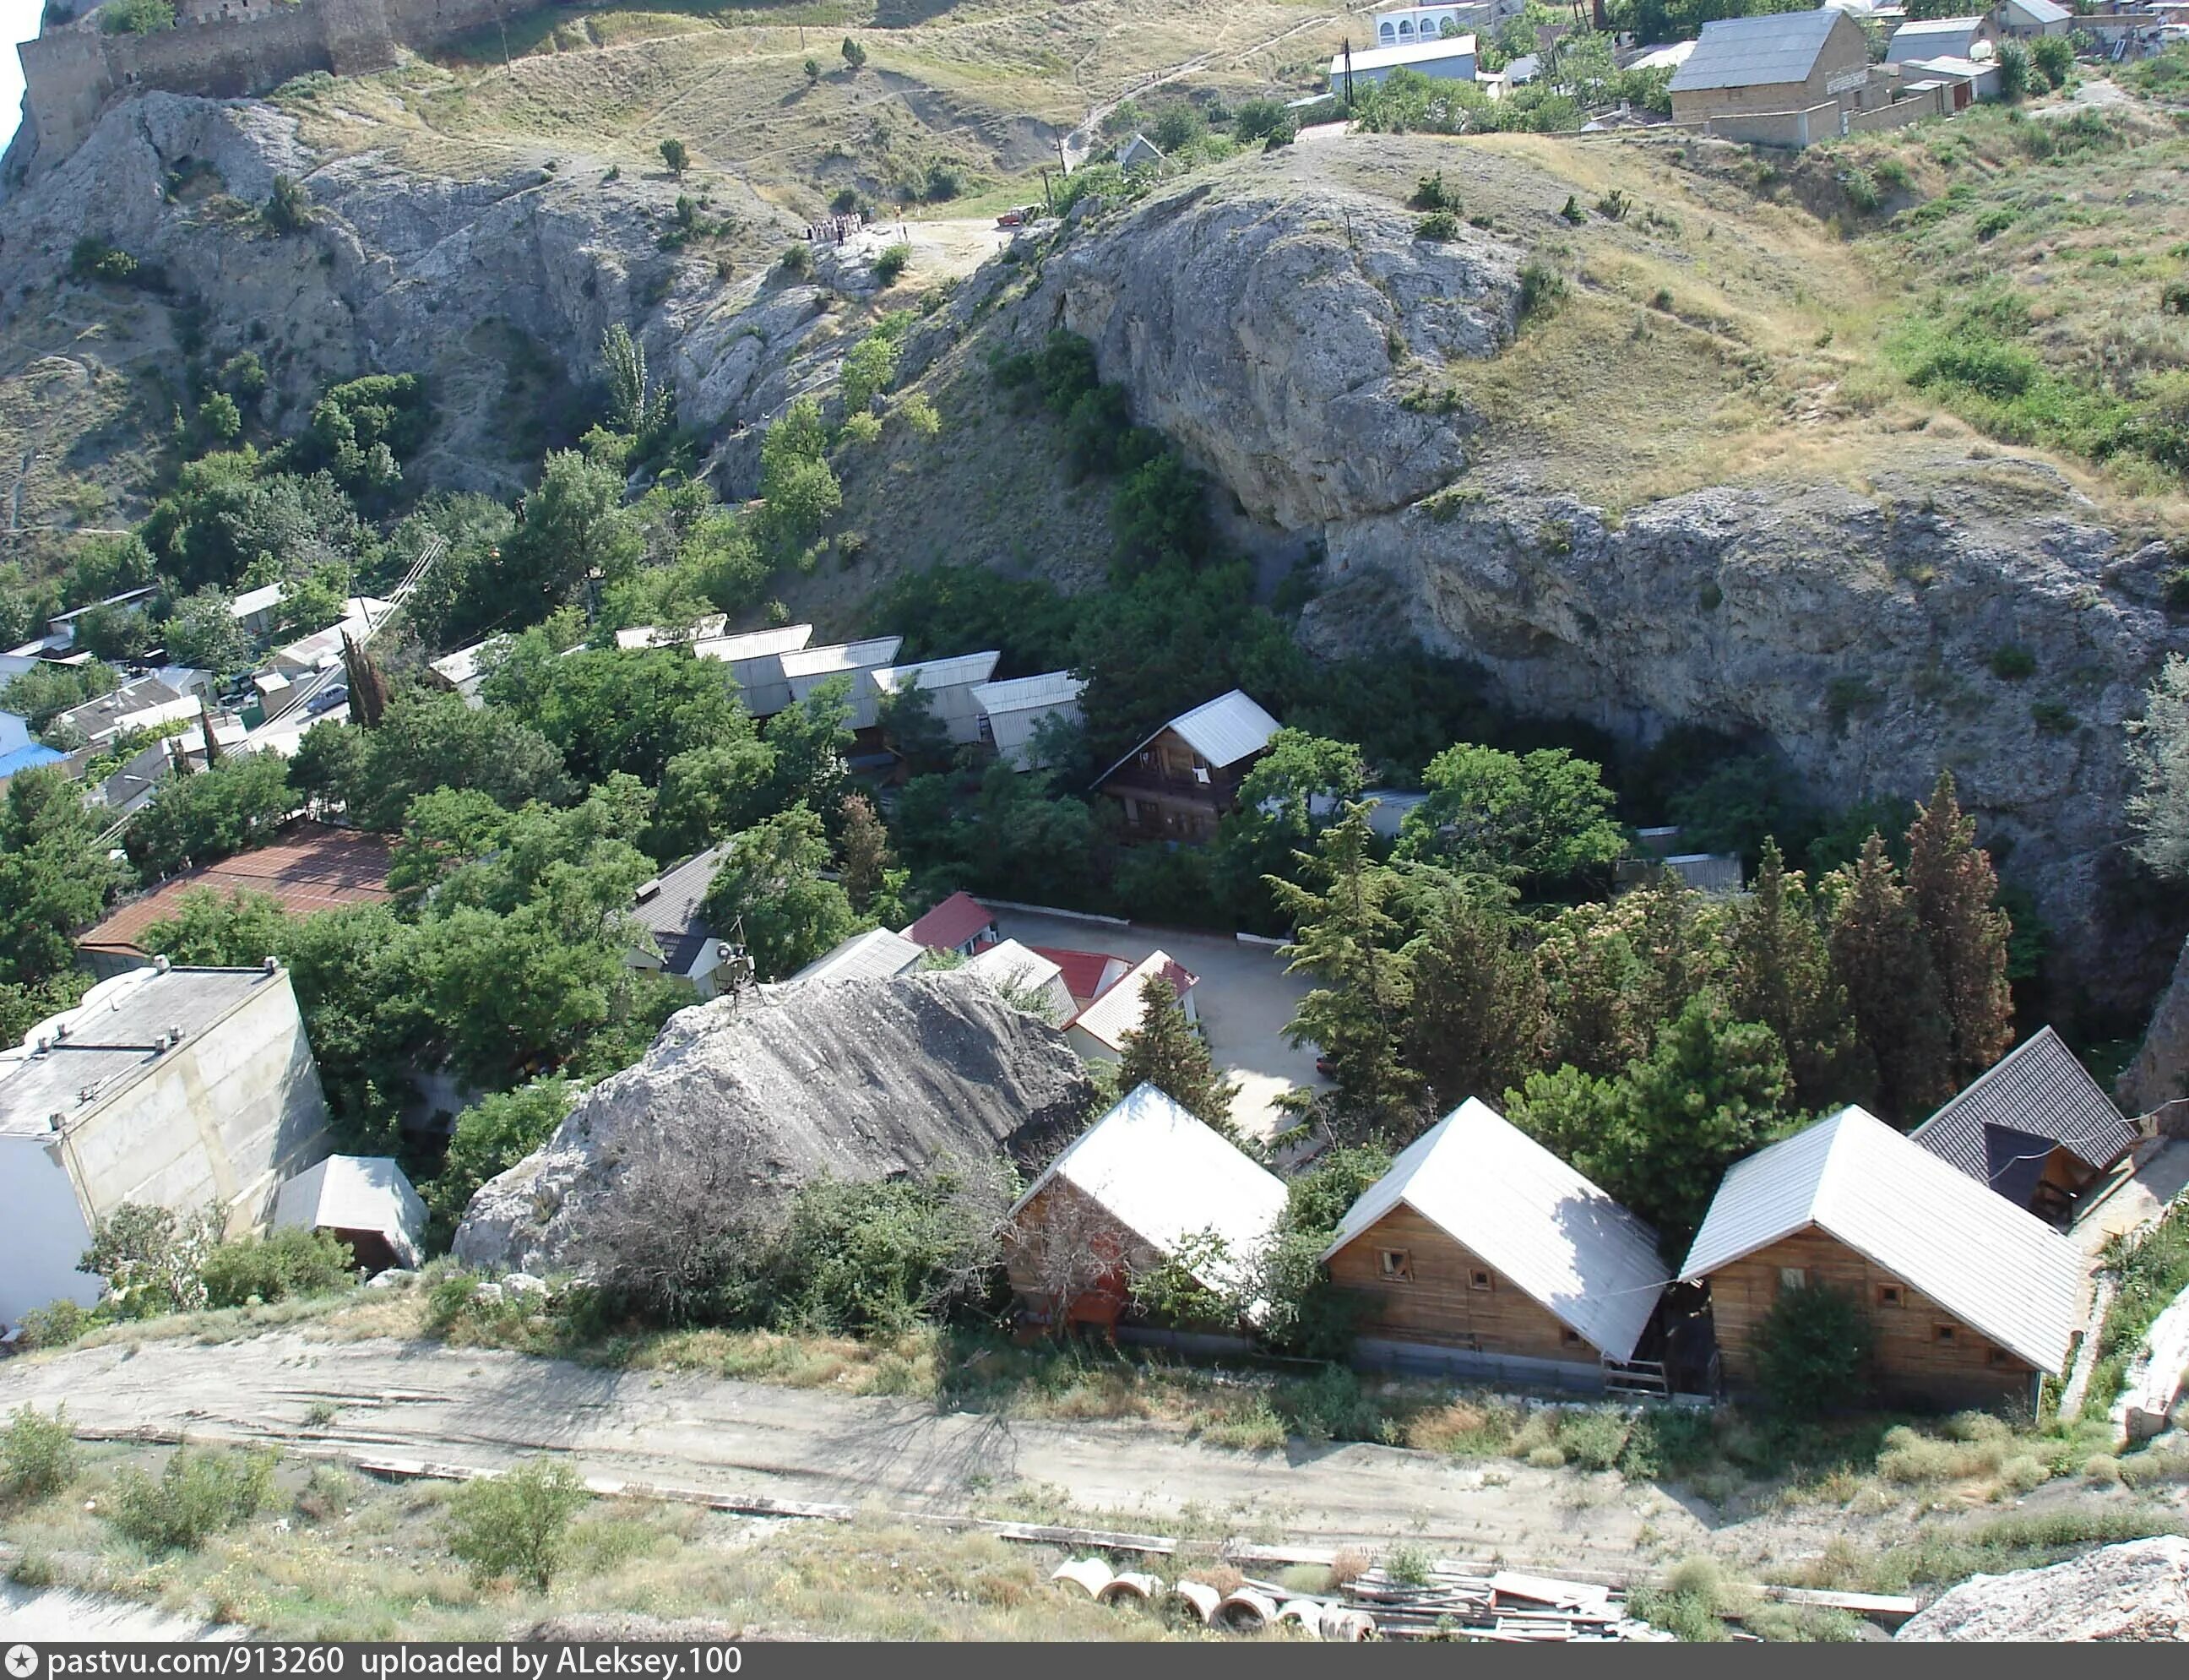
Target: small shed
pixel 1012 712
pixel 1139 153
pixel 2035 1127
pixel 875 954
pixel 960 923
pixel 1482 1250
pixel 366 1201
pixel 1098 1030
pixel 1971 1300
pixel 1029 976
pixel 1146 1183
pixel 1923 39
pixel 2026 20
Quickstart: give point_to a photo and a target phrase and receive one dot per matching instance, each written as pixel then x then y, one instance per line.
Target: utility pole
pixel 1063 165
pixel 1348 49
pixel 1048 198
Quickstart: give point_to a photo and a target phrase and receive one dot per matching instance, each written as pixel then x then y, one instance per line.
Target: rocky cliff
pixel 2136 1591
pixel 851 1079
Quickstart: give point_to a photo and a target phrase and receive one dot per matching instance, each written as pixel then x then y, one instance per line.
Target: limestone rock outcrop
pixel 2139 1591
pixel 851 1079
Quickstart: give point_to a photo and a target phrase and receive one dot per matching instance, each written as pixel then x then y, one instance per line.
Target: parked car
pixel 334 694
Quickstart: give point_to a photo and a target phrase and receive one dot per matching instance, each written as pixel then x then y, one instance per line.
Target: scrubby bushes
pixel 290 1262
pixel 37 1455
pixel 1813 1351
pixel 518 1524
pixel 201 1492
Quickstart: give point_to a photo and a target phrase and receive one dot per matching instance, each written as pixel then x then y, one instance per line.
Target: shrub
pixel 675 154
pixel 890 262
pixel 136 17
pixel 57 1325
pixel 797 259
pixel 1613 206
pixel 1572 211
pixel 2053 718
pixel 1430 193
pixel 1409 1565
pixel 201 1492
pixel 1892 173
pixel 92 260
pixel 1813 1351
pixel 517 1524
pixel 37 1454
pixel 1667 1440
pixel 1993 223
pixel 1439 225
pixel 290 1262
pixel 1542 289
pixel 288 206
pixel 1259 119
pixel 944 183
pixel 1594 1437
pixel 2053 58
pixel 2012 663
pixel 855 55
pixel 1330 1406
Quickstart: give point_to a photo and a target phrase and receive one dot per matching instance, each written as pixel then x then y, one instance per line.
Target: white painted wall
pixel 43 1232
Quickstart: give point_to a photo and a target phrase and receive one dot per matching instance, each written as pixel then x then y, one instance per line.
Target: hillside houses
pixel 1446 58
pixel 677 940
pixel 1179 782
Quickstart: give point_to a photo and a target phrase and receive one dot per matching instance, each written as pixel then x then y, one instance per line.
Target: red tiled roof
pixel 1082 970
pixel 950 924
pixel 309 868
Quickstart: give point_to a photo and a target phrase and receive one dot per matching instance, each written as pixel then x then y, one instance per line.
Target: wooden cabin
pixel 1970 1299
pixel 1178 783
pixel 2035 1128
pixel 1481 1250
pixel 1145 1184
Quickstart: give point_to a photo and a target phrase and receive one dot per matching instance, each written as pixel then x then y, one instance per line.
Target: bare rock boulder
pixel 2137 1591
pixel 849 1079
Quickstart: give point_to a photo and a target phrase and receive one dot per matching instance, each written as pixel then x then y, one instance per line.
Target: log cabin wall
pixel 1062 1214
pixel 1448 1294
pixel 1922 1353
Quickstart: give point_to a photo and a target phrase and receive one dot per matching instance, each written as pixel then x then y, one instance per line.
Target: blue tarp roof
pixel 28 757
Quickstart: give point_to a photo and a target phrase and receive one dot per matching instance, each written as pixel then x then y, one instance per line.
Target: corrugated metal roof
pixel 2001 1270
pixel 1223 730
pixel 1118 1010
pixel 1434 50
pixel 641 636
pixel 842 656
pixel 1669 57
pixel 1022 693
pixel 1933 38
pixel 1527 1214
pixel 1166 1176
pixel 356 1192
pixel 253 600
pixel 2037 11
pixel 1756 52
pixel 2037 1090
pixel 954 922
pixel 1011 963
pixel 957 671
pixel 755 644
pixel 875 954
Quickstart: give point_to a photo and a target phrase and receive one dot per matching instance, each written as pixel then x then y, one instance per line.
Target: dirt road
pixel 423 1400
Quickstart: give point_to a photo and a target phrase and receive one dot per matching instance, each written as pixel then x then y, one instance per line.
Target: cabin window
pixel 1479 1279
pixel 1944 1335
pixel 1793 1277
pixel 1997 1356
pixel 1572 1339
pixel 1889 1295
pixel 1396 1264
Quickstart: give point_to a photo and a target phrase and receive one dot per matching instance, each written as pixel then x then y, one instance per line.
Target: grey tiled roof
pixel 1999 1129
pixel 669 908
pixel 1757 52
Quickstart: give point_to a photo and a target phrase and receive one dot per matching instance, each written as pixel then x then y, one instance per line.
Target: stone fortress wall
pixel 220 50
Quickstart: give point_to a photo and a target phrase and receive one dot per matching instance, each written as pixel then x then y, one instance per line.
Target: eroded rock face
pixel 2138 1590
pixel 851 1079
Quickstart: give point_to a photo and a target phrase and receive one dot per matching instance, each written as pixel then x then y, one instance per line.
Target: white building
pixel 1100 1029
pixel 756 662
pixel 1014 710
pixel 255 609
pixel 1028 975
pixel 875 954
pixel 365 1199
pixel 185 1089
pixel 951 686
pixel 1450 59
pixel 808 668
pixel 324 647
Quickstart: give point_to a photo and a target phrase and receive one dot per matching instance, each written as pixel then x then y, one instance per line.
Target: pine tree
pixel 1166 1051
pixel 1344 938
pixel 1781 975
pixel 368 688
pixel 1883 961
pixel 1955 895
pixel 214 752
pixel 1477 1022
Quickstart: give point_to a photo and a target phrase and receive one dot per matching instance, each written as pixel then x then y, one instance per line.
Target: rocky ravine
pixel 847 1079
pixel 1852 633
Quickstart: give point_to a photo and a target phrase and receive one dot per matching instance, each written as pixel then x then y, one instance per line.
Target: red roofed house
pixel 1087 975
pixel 960 923
pixel 1100 1028
pixel 310 866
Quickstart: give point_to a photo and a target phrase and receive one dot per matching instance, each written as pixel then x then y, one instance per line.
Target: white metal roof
pixel 755 644
pixel 1933 38
pixel 461 666
pixel 875 954
pixel 959 670
pixel 1755 52
pixel 2038 11
pixel 1011 963
pixel 261 600
pixel 841 656
pixel 1669 57
pixel 1118 1010
pixel 1023 693
pixel 1223 730
pixel 356 1192
pixel 1497 1192
pixel 2003 1271
pixel 1166 1176
pixel 1434 50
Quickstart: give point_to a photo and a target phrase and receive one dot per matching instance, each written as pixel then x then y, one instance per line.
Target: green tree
pixel 1545 817
pixel 869 370
pixel 1296 789
pixel 810 740
pixel 1166 1051
pixel 608 710
pixel 1954 893
pixel 572 527
pixel 2053 58
pixel 911 729
pixel 518 1523
pixel 288 208
pixel 799 491
pixel 1781 973
pixel 2012 59
pixel 871 878
pixel 855 55
pixel 2157 749
pixel 53 879
pixel 769 883
pixel 430 741
pixel 711 791
pixel 1356 1012
pixel 202 631
pixel 637 408
pixel 1476 1023
pixel 1812 1352
pixel 1882 957
pixel 676 157
pixel 227 808
pixel 491 1136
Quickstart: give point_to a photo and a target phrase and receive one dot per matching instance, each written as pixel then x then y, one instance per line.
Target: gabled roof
pixel 2001 1128
pixel 875 954
pixel 1434 50
pixel 263 599
pixel 1755 52
pixel 1087 975
pixel 1500 1194
pixel 1670 56
pixel 1223 730
pixel 638 637
pixel 839 657
pixel 958 670
pixel 1024 694
pixel 2003 1271
pixel 357 1192
pixel 1011 963
pixel 1933 38
pixel 2038 11
pixel 756 644
pixel 1166 1176
pixel 28 756
pixel 309 867
pixel 949 925
pixel 668 907
pixel 1118 1010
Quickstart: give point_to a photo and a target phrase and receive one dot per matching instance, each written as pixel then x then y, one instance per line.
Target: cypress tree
pixel 1477 1022
pixel 1883 961
pixel 1166 1051
pixel 1956 894
pixel 1781 975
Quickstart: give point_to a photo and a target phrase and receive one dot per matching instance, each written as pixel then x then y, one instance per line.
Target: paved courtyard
pixel 1245 999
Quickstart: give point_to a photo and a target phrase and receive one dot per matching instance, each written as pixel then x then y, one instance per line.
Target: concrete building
pixel 1402 24
pixel 185 1089
pixel 1450 59
pixel 1925 38
pixel 1778 66
pixel 2026 20
pixel 367 1201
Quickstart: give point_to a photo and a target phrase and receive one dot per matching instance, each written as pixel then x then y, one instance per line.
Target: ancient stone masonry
pixel 218 48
